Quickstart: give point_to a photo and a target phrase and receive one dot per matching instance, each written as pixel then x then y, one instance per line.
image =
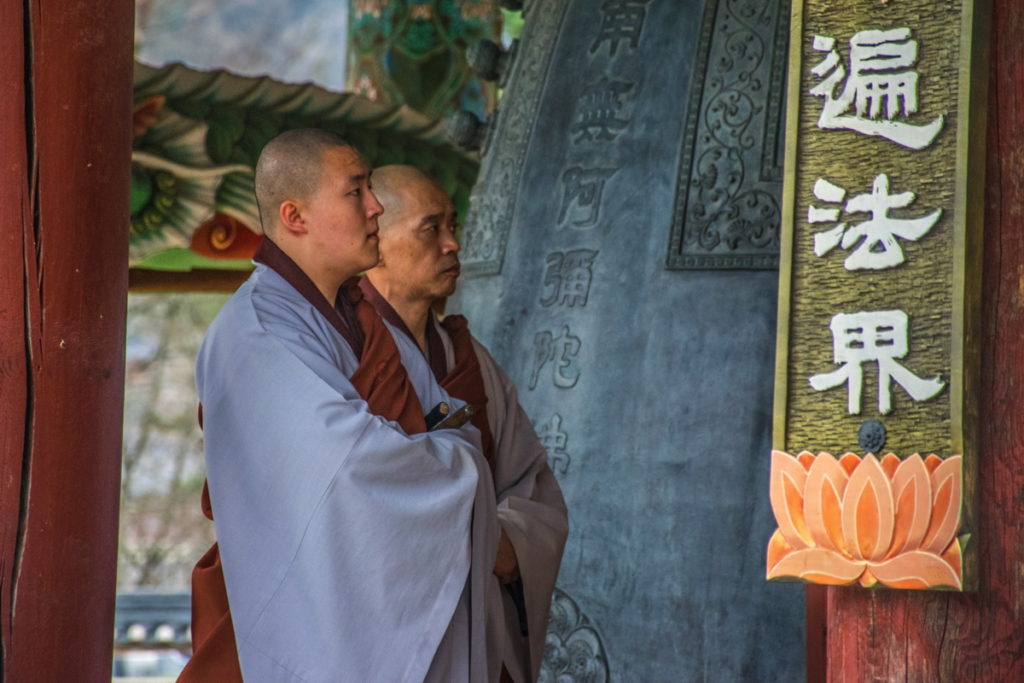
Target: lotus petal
pixel 868 513
pixel 953 556
pixel 917 570
pixel 823 496
pixel 777 549
pixel 850 462
pixel 932 461
pixel 947 488
pixel 889 464
pixel 912 493
pixel 786 494
pixel 806 459
pixel 817 565
pixel 867 579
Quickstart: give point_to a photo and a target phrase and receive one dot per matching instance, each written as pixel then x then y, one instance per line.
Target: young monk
pixel 419 264
pixel 349 540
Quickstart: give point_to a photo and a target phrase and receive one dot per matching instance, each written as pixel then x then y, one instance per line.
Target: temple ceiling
pixel 198 134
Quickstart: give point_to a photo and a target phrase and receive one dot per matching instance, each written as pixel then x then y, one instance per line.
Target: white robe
pixel 346 544
pixel 531 510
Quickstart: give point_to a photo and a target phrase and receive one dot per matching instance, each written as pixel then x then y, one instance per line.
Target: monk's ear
pixel 292 218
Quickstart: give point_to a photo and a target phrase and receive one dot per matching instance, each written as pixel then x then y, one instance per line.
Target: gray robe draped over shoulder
pixel 347 545
pixel 530 509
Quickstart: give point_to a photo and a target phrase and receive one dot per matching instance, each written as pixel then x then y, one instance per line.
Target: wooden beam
pixel 816 636
pixel 65 125
pixel 196 280
pixel 15 218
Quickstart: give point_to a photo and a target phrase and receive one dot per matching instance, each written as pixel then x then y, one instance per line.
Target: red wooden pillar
pixel 978 637
pixel 65 146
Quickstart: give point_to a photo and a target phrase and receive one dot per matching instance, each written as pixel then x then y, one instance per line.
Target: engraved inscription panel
pixel 491 212
pixel 727 203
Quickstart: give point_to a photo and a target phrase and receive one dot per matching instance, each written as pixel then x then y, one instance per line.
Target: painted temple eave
pixel 199 134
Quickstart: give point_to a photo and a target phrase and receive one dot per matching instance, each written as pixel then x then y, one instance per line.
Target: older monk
pixel 419 265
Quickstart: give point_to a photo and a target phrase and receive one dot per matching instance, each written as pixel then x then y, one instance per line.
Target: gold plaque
pixel 879 294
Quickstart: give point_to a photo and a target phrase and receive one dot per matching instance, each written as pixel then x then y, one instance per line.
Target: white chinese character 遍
pixel 873 336
pixel 878 247
pixel 881 86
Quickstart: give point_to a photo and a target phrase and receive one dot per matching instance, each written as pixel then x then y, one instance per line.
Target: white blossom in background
pixel 880 87
pixel 873 337
pixel 877 246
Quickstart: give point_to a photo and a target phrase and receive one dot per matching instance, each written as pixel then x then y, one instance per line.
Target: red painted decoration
pixel 225 237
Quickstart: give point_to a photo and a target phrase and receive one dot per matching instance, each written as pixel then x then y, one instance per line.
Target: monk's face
pixel 341 214
pixel 419 251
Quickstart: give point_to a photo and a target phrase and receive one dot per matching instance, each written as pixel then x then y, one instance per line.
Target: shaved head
pixel 419 251
pixel 290 167
pixel 394 186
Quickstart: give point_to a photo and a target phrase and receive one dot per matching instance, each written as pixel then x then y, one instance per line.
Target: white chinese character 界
pixel 881 86
pixel 873 336
pixel 878 247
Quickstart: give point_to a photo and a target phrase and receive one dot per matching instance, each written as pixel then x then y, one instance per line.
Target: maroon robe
pixel 463 380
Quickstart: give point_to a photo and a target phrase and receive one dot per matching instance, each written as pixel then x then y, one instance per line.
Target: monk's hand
pixel 506 566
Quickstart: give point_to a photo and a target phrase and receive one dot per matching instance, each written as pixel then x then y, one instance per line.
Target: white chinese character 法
pixel 876 238
pixel 878 337
pixel 880 86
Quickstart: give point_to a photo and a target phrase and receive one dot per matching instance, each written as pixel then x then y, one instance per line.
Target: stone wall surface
pixel 649 381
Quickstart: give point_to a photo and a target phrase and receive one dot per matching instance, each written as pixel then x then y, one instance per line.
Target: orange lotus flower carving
pixel 867 521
